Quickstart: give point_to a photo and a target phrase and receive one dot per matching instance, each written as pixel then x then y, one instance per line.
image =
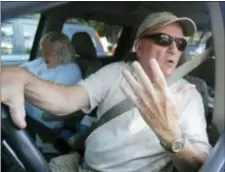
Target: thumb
pixel 17 113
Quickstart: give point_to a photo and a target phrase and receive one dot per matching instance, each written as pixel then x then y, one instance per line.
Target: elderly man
pixel 159 130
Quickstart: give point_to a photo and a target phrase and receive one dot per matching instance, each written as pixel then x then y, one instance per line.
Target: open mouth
pixel 170 61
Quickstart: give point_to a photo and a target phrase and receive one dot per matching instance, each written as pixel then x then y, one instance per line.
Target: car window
pixel 197 43
pixel 17 38
pixel 104 36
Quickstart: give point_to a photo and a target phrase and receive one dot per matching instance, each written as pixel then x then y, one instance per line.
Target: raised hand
pixel 158 106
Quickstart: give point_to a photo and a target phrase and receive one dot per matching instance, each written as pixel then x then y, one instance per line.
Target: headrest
pixel 130 56
pixel 83 45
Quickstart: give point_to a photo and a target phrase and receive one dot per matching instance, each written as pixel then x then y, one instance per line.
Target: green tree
pixel 103 29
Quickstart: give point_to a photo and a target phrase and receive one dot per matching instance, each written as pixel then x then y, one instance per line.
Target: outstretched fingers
pixel 127 90
pixel 136 88
pixel 159 78
pixel 144 80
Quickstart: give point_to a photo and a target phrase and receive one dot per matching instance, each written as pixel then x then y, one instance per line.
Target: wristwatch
pixel 176 145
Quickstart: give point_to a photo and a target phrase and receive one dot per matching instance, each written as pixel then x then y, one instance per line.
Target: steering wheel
pixel 22 144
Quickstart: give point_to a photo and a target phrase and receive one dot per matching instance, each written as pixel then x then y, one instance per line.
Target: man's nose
pixel 173 48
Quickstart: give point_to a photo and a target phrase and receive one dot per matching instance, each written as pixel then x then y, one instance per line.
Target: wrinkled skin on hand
pixel 158 106
pixel 12 93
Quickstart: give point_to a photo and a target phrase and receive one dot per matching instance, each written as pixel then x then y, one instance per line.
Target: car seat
pixel 84 47
pixel 200 84
pixel 198 77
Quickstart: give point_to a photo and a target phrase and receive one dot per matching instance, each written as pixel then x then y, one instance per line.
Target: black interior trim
pixel 37 38
pixel 125 43
pixel 15 9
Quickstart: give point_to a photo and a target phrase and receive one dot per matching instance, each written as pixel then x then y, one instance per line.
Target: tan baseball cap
pixel 161 19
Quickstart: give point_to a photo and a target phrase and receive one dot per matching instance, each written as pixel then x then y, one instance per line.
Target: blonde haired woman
pixel 56 65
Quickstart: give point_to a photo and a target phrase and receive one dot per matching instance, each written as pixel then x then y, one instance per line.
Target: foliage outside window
pixel 105 35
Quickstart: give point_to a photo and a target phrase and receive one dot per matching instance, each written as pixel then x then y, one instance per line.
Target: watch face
pixel 177 146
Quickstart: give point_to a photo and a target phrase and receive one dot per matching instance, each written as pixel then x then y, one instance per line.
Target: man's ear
pixel 137 45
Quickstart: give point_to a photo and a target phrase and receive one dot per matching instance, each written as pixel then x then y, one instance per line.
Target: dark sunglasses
pixel 165 40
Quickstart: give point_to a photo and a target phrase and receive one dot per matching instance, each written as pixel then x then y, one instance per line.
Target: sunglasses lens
pixel 181 44
pixel 163 39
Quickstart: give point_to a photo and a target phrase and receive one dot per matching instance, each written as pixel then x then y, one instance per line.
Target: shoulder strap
pixel 188 66
pixel 77 142
pixel 115 111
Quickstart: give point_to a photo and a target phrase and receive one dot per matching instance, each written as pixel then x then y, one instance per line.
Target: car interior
pixel 20 150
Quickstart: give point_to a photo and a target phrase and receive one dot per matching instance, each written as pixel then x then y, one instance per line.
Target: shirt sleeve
pixel 193 123
pixel 32 65
pixel 68 75
pixel 98 84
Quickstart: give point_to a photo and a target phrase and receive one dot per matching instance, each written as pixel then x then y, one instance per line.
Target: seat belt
pixel 188 66
pixel 78 140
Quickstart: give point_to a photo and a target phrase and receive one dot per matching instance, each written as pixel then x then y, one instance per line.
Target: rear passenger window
pixel 17 36
pixel 104 36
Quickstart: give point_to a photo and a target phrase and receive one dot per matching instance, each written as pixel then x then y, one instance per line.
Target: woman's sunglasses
pixel 165 40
